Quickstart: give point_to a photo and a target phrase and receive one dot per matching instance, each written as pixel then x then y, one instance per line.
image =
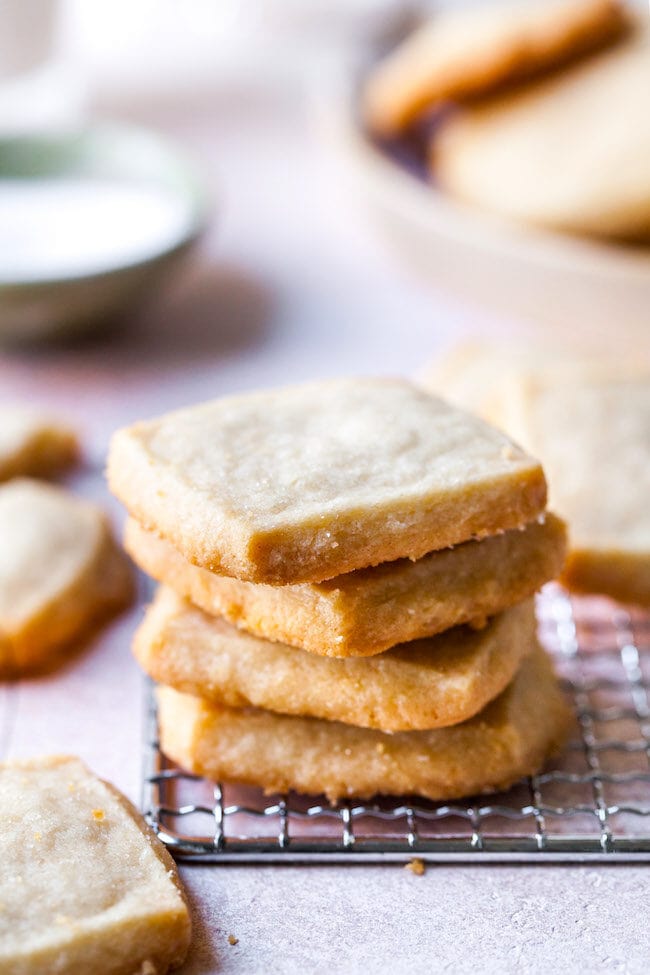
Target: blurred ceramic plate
pixel 91 222
pixel 581 288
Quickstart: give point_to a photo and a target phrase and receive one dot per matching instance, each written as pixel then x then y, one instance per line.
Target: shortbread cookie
pixel 589 421
pixel 85 886
pixel 60 571
pixel 479 375
pixel 305 483
pixel 365 612
pixel 425 684
pixel 468 52
pixel 472 374
pixel 33 444
pixel 545 157
pixel 592 427
pixel 512 737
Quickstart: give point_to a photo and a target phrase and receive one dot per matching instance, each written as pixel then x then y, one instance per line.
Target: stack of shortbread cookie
pixel 347 570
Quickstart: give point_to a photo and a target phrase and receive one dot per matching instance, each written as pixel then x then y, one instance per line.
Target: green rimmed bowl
pixel 70 296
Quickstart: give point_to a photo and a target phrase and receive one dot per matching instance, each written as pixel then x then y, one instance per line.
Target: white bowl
pixel 65 300
pixel 579 288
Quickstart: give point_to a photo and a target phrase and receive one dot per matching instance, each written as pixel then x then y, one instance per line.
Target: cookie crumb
pixel 232 940
pixel 415 867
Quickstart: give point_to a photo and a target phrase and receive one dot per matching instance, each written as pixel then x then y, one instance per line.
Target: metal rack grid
pixel 593 803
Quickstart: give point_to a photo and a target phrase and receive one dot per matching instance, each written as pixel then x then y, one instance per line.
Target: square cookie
pixel 308 482
pixel 365 612
pixel 429 683
pixel 592 427
pixel 589 421
pixel 512 737
pixel 33 444
pixel 60 572
pixel 85 885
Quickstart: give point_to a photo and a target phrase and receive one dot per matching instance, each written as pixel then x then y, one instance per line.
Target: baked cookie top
pixel 543 155
pixel 304 483
pixel 588 418
pixel 592 426
pixel 85 886
pixel 59 567
pixel 471 51
pixel 32 443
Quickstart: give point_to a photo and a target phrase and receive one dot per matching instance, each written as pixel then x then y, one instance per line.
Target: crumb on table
pixel 416 867
pixel 232 940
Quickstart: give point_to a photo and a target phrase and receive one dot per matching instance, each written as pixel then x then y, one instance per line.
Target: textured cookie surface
pixel 305 483
pixel 366 612
pixel 425 684
pixel 589 421
pixel 469 52
pixel 592 428
pixel 60 570
pixel 472 374
pixel 33 444
pixel 546 157
pixel 85 886
pixel 512 737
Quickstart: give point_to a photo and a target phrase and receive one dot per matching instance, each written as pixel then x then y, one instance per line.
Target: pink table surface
pixel 291 284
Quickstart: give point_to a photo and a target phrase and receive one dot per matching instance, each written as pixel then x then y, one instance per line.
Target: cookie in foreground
pixel 308 482
pixel 85 885
pixel 511 738
pixel 426 684
pixel 365 612
pixel 60 572
pixel 33 444
pixel 464 53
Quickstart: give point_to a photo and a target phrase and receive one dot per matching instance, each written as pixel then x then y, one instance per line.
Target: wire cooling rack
pixel 593 803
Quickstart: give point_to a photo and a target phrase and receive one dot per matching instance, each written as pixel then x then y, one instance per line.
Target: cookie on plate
pixel 34 444
pixel 85 885
pixel 561 155
pixel 365 612
pixel 425 684
pixel 511 738
pixel 308 482
pixel 60 571
pixel 469 52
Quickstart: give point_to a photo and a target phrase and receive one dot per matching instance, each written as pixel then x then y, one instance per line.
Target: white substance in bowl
pixel 64 228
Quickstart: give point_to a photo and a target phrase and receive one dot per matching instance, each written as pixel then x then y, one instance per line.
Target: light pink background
pixel 292 284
